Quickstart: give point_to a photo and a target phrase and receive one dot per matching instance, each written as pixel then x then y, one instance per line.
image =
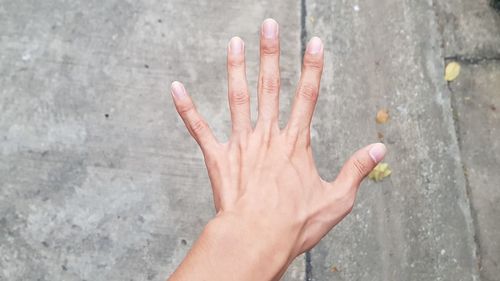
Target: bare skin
pixel 271 203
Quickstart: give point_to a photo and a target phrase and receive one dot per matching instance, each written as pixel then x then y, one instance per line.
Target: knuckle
pixel 198 126
pixel 185 108
pixel 235 62
pixel 359 167
pixel 270 84
pixel 315 64
pixel 309 92
pixel 239 97
pixel 270 49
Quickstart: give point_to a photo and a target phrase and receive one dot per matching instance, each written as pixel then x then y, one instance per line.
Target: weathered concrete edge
pixel 458 129
pixel 449 117
pixel 446 92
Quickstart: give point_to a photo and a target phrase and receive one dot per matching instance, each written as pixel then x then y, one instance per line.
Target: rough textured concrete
pixel 416 225
pixel 99 178
pixel 470 28
pixel 476 99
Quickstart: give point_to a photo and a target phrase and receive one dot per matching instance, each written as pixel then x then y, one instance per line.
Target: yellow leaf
pixel 380 172
pixel 382 116
pixel 452 70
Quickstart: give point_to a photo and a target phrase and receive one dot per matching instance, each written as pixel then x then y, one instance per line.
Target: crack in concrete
pixel 303 44
pixel 303 28
pixel 471 60
pixel 468 188
pixel 309 276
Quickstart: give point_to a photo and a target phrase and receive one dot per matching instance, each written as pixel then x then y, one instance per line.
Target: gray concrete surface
pixel 476 99
pixel 100 181
pixel 416 225
pixel 99 178
pixel 470 28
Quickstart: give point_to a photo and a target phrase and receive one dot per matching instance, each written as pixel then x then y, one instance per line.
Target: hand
pixel 265 184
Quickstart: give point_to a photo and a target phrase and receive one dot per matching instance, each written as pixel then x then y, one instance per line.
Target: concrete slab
pixel 415 225
pixel 470 28
pixel 99 178
pixel 476 100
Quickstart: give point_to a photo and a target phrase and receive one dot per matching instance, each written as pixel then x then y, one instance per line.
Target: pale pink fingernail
pixel 377 152
pixel 236 46
pixel 178 90
pixel 270 29
pixel 314 46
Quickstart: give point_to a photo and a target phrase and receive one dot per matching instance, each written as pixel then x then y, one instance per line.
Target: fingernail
pixel 236 45
pixel 377 152
pixel 178 90
pixel 270 29
pixel 314 46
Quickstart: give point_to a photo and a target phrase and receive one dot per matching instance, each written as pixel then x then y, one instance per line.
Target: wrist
pixel 247 245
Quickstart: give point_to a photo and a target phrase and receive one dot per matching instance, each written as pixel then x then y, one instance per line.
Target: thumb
pixel 360 165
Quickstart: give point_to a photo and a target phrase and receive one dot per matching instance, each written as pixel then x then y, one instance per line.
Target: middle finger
pixel 269 74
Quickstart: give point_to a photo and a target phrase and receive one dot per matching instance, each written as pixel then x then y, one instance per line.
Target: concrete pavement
pixel 416 225
pixel 99 180
pixel 476 96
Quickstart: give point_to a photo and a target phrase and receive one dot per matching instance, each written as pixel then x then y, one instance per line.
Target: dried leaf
pixel 452 70
pixel 382 116
pixel 380 136
pixel 334 269
pixel 380 172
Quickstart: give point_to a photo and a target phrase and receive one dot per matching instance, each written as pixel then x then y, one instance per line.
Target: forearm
pixel 230 249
